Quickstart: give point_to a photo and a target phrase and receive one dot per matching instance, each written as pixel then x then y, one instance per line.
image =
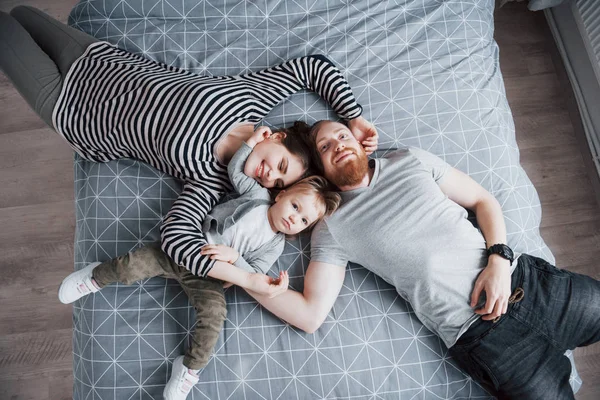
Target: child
pixel 246 236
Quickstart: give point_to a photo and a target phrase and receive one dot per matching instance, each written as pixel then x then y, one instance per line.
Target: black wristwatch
pixel 502 250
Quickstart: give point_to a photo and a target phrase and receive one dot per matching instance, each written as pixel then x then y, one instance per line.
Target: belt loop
pixel 515 297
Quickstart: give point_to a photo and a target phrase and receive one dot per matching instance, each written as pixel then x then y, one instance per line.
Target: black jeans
pixel 521 356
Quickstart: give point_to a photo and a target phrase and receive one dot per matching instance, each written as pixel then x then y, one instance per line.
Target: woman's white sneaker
pixel 77 285
pixel 181 382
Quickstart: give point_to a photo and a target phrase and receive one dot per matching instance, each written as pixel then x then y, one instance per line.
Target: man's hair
pixel 295 141
pixel 321 188
pixel 312 137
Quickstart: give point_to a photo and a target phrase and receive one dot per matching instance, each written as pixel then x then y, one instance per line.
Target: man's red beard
pixel 352 172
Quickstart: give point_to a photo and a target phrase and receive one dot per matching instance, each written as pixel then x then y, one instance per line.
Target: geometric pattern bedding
pixel 426 73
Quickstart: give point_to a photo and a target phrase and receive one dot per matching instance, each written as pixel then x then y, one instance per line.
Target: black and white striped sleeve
pixel 181 232
pixel 316 73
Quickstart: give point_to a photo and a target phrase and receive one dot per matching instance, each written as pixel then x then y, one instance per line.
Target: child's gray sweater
pixel 225 215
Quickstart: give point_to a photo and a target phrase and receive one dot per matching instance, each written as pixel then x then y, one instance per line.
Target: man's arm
pixel 495 278
pixel 308 310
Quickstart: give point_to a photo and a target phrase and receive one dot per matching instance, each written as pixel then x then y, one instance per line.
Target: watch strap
pixel 502 250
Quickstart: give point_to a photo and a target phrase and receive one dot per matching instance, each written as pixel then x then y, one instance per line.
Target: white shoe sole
pixel 69 281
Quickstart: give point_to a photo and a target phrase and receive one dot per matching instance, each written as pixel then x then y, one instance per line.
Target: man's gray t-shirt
pixel 403 228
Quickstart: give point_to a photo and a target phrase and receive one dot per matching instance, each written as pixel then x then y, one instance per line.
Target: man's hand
pixel 260 134
pixel 268 286
pixel 220 252
pixel 494 280
pixel 365 133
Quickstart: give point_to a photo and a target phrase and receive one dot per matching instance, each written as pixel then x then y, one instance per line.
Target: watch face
pixel 502 250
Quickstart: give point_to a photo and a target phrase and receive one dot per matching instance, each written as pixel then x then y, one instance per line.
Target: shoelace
pixel 515 297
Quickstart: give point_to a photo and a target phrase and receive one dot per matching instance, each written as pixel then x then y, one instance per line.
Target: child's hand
pixel 260 134
pixel 268 286
pixel 220 252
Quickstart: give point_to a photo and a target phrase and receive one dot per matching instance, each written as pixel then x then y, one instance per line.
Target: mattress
pixel 427 74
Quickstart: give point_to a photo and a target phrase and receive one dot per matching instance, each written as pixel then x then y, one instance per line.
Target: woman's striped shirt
pixel 115 104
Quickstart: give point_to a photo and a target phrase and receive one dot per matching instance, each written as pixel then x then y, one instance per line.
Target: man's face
pixel 344 160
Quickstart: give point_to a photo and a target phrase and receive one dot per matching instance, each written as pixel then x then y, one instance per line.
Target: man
pixel 507 318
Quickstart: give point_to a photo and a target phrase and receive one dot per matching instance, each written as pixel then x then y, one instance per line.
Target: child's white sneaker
pixel 181 382
pixel 77 285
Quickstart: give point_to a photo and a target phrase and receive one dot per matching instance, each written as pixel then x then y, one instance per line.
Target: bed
pixel 427 74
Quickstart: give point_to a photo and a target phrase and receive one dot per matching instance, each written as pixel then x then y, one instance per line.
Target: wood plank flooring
pixel 36 245
pixel 37 211
pixel 552 154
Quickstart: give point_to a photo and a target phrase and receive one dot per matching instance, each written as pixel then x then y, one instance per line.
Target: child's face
pixel 272 165
pixel 294 211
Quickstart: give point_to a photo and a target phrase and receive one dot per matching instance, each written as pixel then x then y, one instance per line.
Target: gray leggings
pixel 36 52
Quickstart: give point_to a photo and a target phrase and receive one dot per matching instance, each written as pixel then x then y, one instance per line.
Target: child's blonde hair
pixel 321 188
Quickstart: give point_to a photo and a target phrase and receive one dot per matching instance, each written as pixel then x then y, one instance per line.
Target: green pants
pixel 36 52
pixel 206 295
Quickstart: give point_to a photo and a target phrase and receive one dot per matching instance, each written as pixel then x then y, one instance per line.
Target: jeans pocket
pixel 473 366
pixel 546 268
pixel 486 375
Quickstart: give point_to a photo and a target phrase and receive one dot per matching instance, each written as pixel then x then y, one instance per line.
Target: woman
pixel 109 104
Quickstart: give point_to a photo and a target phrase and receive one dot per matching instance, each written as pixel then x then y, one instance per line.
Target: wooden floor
pixel 37 211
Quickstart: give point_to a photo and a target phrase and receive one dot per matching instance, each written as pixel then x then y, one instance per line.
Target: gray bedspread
pixel 427 74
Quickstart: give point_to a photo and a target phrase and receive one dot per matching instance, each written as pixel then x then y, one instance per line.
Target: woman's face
pixel 272 165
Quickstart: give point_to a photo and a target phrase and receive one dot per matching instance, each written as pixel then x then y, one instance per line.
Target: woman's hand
pixel 365 133
pixel 260 134
pixel 268 286
pixel 220 252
